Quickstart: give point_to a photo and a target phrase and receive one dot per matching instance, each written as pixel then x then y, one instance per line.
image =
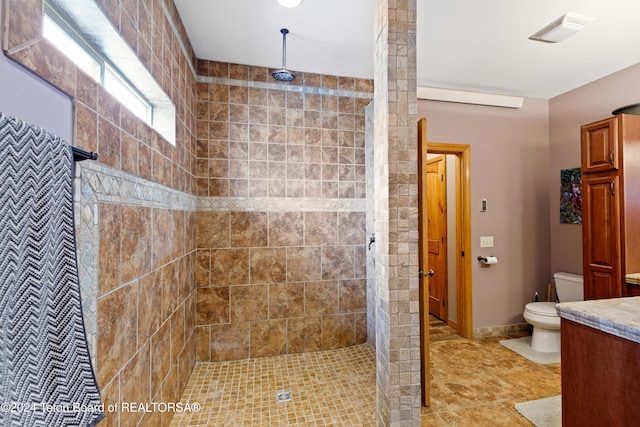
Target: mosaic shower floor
pixel 474 383
pixel 328 388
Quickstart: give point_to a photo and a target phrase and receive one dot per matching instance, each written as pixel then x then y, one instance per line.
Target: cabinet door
pixel 600 146
pixel 601 237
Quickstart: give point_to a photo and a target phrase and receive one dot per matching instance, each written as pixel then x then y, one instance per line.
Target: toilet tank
pixel 569 287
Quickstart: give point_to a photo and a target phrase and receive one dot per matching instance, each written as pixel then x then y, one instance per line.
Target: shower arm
pixel 284 32
pixel 284 75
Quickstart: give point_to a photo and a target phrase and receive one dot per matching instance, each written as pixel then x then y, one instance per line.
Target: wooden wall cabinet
pixel 610 204
pixel 600 146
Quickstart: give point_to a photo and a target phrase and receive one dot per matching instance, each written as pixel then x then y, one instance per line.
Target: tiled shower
pixel 246 239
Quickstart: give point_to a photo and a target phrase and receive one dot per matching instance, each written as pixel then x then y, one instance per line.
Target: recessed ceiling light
pixel 290 3
pixel 563 27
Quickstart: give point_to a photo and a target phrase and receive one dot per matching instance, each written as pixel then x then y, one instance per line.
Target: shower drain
pixel 283 396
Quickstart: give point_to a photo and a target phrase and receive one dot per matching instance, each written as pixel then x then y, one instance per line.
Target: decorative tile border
pixel 279 204
pixel 115 186
pixel 284 87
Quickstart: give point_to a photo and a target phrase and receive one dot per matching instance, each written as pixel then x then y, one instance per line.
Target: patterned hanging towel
pixel 46 377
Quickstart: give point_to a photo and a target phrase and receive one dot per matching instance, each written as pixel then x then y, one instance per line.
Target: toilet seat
pixel 545 336
pixel 546 326
pixel 547 309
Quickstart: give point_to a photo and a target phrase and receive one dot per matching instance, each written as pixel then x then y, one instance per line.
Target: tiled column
pixel 396 214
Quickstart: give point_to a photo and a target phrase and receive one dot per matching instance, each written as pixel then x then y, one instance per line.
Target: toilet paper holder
pixel 488 260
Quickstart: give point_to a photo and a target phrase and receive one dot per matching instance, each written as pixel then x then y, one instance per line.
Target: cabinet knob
pixel 611 157
pixel 612 188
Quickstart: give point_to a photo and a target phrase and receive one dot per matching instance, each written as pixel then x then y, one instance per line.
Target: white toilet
pixel 543 316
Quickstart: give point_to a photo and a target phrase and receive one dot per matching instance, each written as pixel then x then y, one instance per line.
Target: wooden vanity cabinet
pixel 599 377
pixel 610 204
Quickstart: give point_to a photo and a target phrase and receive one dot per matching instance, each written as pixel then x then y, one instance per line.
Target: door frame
pixel 463 231
pixel 463 244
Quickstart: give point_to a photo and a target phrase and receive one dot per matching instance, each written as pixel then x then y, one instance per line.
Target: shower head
pixel 284 75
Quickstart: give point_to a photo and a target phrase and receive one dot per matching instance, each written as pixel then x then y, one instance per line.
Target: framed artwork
pixel 570 196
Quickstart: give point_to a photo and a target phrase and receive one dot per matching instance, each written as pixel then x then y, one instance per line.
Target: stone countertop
pixel 615 316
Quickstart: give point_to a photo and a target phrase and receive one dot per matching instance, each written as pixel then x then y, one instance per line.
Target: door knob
pixel 430 272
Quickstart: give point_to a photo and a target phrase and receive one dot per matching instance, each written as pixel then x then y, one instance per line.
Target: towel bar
pixel 80 155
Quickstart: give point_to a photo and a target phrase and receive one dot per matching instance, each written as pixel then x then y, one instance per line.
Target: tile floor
pixel 478 382
pixel 474 383
pixel 329 388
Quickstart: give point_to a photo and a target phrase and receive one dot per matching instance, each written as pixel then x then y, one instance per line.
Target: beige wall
pixel 510 168
pixel 567 112
pixel 516 158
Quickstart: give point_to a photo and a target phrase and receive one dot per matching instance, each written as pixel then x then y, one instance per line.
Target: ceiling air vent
pixel 563 27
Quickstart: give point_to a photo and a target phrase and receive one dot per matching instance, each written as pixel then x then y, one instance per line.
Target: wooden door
pixel 423 280
pixel 601 236
pixel 437 236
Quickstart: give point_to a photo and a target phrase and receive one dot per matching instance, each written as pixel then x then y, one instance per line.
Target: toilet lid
pixel 542 308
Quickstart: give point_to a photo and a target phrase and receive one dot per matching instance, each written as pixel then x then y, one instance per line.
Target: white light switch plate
pixel 486 241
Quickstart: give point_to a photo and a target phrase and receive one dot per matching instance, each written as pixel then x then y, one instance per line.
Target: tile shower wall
pixel 370 229
pixel 262 139
pixel 281 224
pixel 396 195
pixel 146 306
pixel 140 266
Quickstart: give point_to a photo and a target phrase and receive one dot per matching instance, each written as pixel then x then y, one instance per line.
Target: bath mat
pixel 522 346
pixel 545 412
